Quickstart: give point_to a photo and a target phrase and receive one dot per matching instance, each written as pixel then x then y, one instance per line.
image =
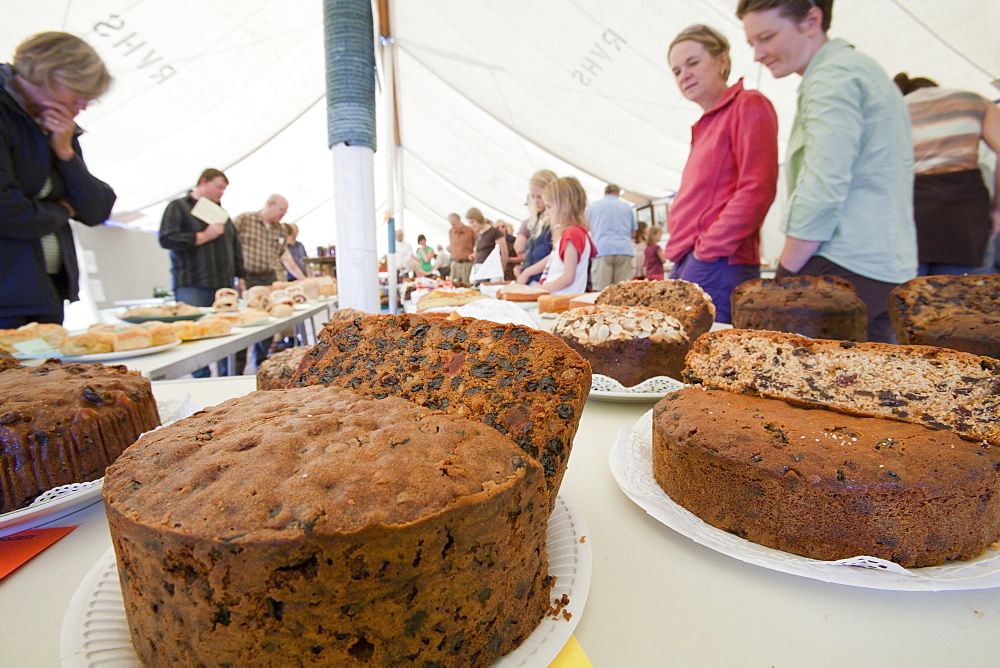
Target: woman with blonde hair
pixel 53 78
pixel 731 175
pixel 566 269
pixel 534 239
pixel 488 237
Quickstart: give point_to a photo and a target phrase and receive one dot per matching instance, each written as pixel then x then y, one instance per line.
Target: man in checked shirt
pixel 262 239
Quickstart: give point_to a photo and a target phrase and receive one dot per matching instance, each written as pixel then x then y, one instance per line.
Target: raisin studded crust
pixel 958 312
pixel 684 300
pixel 821 307
pixel 275 372
pixel 934 387
pixel 524 382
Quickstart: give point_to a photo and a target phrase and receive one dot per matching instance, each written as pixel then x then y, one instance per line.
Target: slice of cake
pixel 315 525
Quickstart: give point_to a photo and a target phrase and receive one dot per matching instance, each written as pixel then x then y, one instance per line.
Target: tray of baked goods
pixel 162 313
pixel 864 464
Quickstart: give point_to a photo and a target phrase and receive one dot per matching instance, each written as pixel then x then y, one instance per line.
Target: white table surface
pixel 656 598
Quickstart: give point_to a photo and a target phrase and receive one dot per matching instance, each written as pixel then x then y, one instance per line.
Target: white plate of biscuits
pixel 98 357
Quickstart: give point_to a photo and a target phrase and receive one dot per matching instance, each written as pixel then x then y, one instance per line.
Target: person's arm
pixel 290 265
pixel 797 252
pixel 525 274
pixel 754 134
pixel 831 122
pixel 521 239
pixel 501 242
pixel 570 259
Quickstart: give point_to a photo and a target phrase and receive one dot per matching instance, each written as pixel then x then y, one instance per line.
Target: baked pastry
pixel 447 299
pixel 280 310
pixel 684 300
pixel 554 303
pixel 957 312
pixel 227 293
pixel 515 292
pixel 160 333
pixel 524 382
pixel 132 338
pixel 935 387
pixel 315 525
pixel 88 343
pixel 823 484
pixel 628 343
pixel 212 326
pixel 586 299
pixel 276 371
pixel 51 333
pixel 821 307
pixel 8 337
pixel 64 423
pixel 347 314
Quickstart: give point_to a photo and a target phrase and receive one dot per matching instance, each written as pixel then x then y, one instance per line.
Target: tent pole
pixel 392 205
pixel 350 85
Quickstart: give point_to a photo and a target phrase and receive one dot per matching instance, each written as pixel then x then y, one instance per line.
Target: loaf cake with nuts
pixel 523 382
pixel 683 300
pixel 825 485
pixel 957 312
pixel 276 371
pixel 64 423
pixel 934 387
pixel 821 307
pixel 318 526
pixel 628 343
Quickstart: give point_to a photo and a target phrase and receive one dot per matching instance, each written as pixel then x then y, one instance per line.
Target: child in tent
pixel 654 255
pixel 566 270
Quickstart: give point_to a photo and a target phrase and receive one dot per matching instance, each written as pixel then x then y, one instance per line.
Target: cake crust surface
pixel 315 526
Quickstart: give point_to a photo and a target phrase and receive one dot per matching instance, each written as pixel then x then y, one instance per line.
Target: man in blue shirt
pixel 612 222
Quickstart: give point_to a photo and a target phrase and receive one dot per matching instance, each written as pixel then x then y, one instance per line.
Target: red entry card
pixel 18 548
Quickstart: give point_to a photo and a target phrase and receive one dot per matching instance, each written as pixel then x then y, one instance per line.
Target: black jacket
pixel 27 212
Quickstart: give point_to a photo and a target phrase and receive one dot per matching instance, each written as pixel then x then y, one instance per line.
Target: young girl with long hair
pixel 566 269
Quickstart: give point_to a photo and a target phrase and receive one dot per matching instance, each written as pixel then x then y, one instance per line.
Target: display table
pixel 656 597
pixel 192 355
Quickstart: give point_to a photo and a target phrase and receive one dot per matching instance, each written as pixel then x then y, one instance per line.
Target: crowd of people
pixel 883 183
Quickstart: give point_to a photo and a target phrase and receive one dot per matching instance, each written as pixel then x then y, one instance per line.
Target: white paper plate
pixel 604 388
pixel 95 632
pixel 61 501
pixel 632 466
pixel 100 357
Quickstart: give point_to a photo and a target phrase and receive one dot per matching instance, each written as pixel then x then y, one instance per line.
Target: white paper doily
pixel 632 466
pixel 64 500
pixel 95 632
pixel 606 388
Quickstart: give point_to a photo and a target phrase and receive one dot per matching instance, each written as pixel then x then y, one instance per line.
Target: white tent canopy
pixel 487 92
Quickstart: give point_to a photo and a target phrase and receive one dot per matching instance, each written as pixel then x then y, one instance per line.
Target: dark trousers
pixel 875 294
pixel 717 278
pixel 60 282
pixel 261 347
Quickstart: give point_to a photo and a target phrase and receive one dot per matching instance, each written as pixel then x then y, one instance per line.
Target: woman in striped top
pixel 951 204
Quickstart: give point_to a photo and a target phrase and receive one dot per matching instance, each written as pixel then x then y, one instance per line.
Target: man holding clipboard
pixel 204 248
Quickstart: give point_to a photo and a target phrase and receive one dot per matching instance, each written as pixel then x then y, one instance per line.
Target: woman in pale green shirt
pixel 849 160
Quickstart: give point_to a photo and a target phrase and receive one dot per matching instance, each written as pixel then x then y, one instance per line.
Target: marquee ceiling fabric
pixel 487 92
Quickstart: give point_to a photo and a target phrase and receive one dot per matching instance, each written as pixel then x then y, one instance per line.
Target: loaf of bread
pixel 935 387
pixel 826 485
pixel 628 343
pixel 821 307
pixel 524 382
pixel 318 526
pixel 957 312
pixel 683 300
pixel 64 423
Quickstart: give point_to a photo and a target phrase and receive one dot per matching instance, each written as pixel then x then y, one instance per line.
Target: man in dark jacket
pixel 43 179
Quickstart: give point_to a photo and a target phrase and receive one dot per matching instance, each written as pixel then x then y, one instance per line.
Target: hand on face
pixel 58 109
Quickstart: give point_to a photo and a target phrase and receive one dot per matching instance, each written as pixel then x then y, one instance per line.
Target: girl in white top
pixel 566 269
